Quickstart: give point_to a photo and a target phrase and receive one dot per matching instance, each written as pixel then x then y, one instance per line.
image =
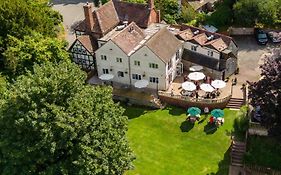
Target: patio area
pixel 176 89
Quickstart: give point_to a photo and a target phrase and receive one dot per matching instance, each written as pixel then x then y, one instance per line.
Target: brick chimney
pixel 88 16
pixel 151 4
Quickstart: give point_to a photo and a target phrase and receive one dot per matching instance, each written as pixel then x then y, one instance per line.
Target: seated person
pixel 211 120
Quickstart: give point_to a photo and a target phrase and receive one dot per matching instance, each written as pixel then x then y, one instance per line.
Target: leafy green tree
pixel 188 13
pixel 169 10
pixel 34 48
pixel 19 18
pixel 250 12
pixel 55 124
pixel 3 89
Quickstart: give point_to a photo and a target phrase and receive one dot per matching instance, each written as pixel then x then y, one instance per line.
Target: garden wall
pixel 201 104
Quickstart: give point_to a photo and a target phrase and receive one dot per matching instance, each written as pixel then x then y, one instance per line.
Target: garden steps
pixel 238 150
pixel 235 103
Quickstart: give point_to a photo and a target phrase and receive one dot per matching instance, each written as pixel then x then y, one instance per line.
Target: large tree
pixel 21 55
pixel 53 123
pixel 250 12
pixel 266 92
pixel 19 18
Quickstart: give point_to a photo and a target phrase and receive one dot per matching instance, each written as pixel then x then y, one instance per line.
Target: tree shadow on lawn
pixel 210 128
pixel 186 126
pixel 223 164
pixel 175 111
pixel 133 112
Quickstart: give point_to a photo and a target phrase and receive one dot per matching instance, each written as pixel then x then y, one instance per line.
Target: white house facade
pixel 132 55
pixel 112 60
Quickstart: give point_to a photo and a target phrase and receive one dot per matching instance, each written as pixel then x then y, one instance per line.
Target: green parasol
pixel 217 113
pixel 193 111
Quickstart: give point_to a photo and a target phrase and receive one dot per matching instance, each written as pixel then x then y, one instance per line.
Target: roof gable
pixel 129 38
pixel 164 44
pixel 106 17
pixel 87 42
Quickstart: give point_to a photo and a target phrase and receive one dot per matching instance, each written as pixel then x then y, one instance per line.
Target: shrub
pixel 241 123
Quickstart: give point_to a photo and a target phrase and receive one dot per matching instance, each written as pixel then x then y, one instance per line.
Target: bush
pixel 241 123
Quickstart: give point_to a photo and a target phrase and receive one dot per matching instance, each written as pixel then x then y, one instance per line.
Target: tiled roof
pixel 113 12
pixel 129 38
pixel 106 17
pixel 164 44
pixel 186 35
pixel 88 42
pixel 139 13
pixel 218 42
pixel 81 26
pixel 200 38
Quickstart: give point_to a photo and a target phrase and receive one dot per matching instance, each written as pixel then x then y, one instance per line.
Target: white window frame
pixel 119 60
pixel 154 80
pixel 137 63
pixel 103 57
pixel 105 71
pixel 153 65
pixel 136 76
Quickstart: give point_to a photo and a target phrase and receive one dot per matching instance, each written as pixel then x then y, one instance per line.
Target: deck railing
pixel 197 100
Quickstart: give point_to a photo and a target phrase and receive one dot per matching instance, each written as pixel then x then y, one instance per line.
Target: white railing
pixel 198 100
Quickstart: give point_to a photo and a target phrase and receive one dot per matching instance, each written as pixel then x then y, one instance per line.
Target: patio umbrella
pixel 193 111
pixel 195 68
pixel 217 113
pixel 206 87
pixel 188 86
pixel 141 83
pixel 106 76
pixel 218 84
pixel 196 76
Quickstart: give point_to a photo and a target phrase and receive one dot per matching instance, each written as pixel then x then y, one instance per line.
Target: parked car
pixel 275 37
pixel 260 36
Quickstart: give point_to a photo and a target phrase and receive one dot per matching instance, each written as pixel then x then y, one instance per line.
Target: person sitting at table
pixel 211 120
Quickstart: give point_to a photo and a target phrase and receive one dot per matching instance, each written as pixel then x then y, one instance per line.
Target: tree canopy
pixel 257 11
pixel 52 123
pixel 21 55
pixel 266 92
pixel 19 18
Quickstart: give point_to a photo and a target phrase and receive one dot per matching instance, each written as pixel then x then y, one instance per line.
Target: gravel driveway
pixel 72 11
pixel 249 57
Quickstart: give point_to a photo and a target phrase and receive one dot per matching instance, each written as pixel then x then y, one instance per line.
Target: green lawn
pixel 164 144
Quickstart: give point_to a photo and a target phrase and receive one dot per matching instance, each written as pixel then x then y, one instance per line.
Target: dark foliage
pixel 266 92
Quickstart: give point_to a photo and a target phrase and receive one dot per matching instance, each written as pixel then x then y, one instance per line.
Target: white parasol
pixel 195 68
pixel 106 76
pixel 141 83
pixel 218 84
pixel 206 87
pixel 188 86
pixel 196 76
